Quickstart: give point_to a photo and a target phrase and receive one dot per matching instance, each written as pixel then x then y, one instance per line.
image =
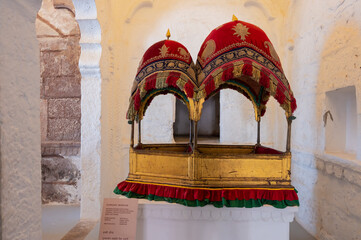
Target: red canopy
pixel 166 67
pixel 236 55
pixel 239 55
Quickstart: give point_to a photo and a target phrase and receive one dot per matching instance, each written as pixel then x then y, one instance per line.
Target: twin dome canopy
pixel 236 55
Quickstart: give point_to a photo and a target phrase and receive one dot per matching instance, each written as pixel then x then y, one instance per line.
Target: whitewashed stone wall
pixel 20 121
pixel 324 55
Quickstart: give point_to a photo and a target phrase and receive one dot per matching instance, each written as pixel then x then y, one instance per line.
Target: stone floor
pixel 298 233
pixel 58 220
pixel 61 222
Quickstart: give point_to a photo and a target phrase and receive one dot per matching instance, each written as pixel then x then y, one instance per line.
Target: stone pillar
pixel 58 34
pixel 20 121
pixel 86 15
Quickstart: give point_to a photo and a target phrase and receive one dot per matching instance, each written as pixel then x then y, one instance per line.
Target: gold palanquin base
pixel 211 166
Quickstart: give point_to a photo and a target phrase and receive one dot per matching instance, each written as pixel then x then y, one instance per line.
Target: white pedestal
pixel 165 221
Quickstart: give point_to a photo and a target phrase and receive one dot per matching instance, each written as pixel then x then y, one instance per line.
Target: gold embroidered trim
pixel 167 55
pixel 209 49
pixel 235 45
pixel 273 52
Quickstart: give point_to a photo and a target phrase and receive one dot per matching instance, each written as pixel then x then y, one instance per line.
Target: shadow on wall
pixel 337 214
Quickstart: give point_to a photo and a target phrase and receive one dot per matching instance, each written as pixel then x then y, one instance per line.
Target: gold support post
pixel 139 133
pixel 190 132
pixel 259 131
pixel 132 136
pixel 195 134
pixel 288 146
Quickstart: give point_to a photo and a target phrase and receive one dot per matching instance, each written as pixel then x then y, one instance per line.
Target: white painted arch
pixel 86 15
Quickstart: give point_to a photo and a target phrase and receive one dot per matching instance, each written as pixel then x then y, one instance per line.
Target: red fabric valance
pixel 219 197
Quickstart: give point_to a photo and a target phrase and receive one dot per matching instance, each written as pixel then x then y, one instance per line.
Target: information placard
pixel 119 219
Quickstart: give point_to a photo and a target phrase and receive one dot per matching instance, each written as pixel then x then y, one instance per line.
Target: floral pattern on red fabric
pixel 264 79
pixel 227 73
pixel 237 34
pixel 280 96
pixel 189 89
pixel 210 86
pixel 150 82
pixel 166 49
pixel 137 100
pixel 247 69
pixel 172 79
pixel 293 104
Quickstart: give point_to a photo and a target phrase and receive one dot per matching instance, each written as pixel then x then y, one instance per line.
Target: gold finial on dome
pixel 168 34
pixel 234 18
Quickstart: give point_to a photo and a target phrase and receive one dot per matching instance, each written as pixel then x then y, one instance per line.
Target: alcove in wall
pixel 340 120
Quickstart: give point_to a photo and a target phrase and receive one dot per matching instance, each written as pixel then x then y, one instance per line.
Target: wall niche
pixel 340 121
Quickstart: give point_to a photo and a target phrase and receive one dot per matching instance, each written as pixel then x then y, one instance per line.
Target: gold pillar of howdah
pixel 224 166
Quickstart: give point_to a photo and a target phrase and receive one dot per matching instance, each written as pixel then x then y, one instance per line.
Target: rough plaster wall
pixel 128 29
pixel 20 121
pixel 324 54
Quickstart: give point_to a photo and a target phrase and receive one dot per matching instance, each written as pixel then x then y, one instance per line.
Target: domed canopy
pixel 236 55
pixel 239 55
pixel 166 67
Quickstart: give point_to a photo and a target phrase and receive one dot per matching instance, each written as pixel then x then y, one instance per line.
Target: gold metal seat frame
pixel 209 165
pixel 220 166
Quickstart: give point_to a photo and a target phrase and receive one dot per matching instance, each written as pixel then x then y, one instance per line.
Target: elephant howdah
pixel 236 55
